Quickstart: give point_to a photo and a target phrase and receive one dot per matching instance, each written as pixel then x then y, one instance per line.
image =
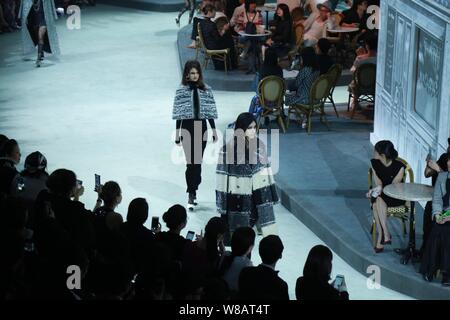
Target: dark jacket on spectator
pixel 141 241
pixel 312 289
pixel 325 63
pixel 266 71
pixel 174 242
pixel 283 32
pixel 262 283
pixel 7 173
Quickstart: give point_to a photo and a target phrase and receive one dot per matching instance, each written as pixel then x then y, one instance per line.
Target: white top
pixel 232 274
pixel 409 191
pixel 316 31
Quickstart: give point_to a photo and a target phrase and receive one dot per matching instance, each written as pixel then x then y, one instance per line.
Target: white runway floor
pixel 106 108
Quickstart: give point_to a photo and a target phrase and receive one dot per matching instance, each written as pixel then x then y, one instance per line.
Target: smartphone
pixel 190 235
pixel 155 223
pixel 339 281
pixel 97 182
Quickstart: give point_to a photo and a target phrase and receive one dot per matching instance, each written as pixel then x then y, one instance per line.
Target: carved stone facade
pixel 413 79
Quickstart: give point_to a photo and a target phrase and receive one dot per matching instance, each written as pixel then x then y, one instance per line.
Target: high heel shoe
pixel 378 250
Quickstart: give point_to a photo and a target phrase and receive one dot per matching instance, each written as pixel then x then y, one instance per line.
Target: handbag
pixel 250 26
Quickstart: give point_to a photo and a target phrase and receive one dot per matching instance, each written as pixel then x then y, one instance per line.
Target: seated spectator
pixel 298 20
pixel 9 158
pixel 308 73
pixel 387 170
pixel 201 257
pixel 270 67
pixel 242 243
pixel 437 251
pixel 215 40
pixel 324 60
pixel 3 140
pixel 70 214
pixel 246 12
pixel 356 16
pixel 31 181
pixel 262 282
pixel 316 274
pixel 281 28
pixel 315 30
pixel 141 239
pixel 432 171
pixel 176 220
pixel 195 23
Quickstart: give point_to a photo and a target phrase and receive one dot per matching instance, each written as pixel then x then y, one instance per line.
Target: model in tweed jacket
pixel 245 187
pixel 182 105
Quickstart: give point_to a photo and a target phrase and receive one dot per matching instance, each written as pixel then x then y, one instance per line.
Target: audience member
pixel 282 31
pixel 324 60
pixel 9 158
pixel 315 29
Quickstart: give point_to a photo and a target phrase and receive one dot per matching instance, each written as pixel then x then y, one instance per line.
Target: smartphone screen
pixel 190 235
pixel 155 223
pixel 338 282
pixel 97 181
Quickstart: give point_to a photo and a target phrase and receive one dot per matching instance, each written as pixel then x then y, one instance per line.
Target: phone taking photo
pixel 190 235
pixel 97 182
pixel 339 281
pixel 155 223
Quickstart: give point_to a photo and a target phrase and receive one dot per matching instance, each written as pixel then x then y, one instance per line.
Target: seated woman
pixel 281 28
pixel 308 73
pixel 437 251
pixel 215 40
pixel 356 16
pixel 387 170
pixel 316 274
pixel 324 60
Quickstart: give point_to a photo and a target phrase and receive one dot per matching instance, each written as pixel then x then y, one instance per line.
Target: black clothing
pixel 7 173
pixel 313 289
pixel 174 242
pixel 141 241
pixel 267 70
pixel 262 283
pixel 231 6
pixel 325 63
pixel 351 16
pixel 387 175
pixel 283 31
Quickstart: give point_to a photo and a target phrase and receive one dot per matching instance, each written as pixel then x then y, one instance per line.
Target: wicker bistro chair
pixel 271 91
pixel 222 54
pixel 364 83
pixel 335 73
pixel 400 212
pixel 320 90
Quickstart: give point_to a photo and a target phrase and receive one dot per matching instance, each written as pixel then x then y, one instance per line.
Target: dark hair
pixel 208 8
pixel 110 192
pixel 243 238
pixel 324 45
pixel 387 148
pixel 221 22
pixel 270 249
pixel 191 64
pixel 286 12
pixel 137 211
pixel 244 120
pixel 215 227
pixel 298 14
pixel 35 164
pixel 61 182
pixel 218 5
pixel 318 264
pixel 3 140
pixel 356 3
pixel 372 42
pixel 175 216
pixel 248 3
pixel 309 58
pixel 8 147
pixel 271 57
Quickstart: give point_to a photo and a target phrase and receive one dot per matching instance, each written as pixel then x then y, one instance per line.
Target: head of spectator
pixel 222 23
pixel 242 243
pixel 385 151
pixel 250 6
pixel 11 151
pixel 111 194
pixel 137 212
pixel 372 45
pixel 324 10
pixel 63 183
pixel 175 218
pixel 271 58
pixel 271 250
pixel 318 265
pixel 214 233
pixel 323 46
pixel 309 58
pixel 35 165
pixel 3 140
pixel 192 74
pixel 209 11
pixel 360 6
pixel 298 14
pixel 283 12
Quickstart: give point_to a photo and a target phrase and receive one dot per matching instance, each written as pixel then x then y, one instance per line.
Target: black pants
pixel 194 136
pixel 427 225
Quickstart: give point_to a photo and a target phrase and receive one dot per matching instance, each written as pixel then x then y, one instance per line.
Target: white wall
pixel 395 115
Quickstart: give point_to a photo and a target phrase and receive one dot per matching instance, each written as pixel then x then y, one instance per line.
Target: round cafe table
pixel 412 192
pixel 254 49
pixel 343 30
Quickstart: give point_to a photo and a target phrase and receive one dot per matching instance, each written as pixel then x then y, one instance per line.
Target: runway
pixel 106 108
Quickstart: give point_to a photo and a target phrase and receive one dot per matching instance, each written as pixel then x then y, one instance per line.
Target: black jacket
pixel 312 289
pixel 211 35
pixel 325 63
pixel 262 283
pixel 283 32
pixel 7 173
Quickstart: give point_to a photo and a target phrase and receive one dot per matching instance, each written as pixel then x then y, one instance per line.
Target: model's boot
pixel 38 60
pixel 191 201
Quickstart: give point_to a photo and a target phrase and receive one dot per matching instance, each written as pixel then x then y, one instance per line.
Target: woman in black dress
pixel 387 170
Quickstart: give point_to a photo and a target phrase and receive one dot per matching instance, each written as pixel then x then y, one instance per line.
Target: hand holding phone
pixel 190 235
pixel 156 227
pixel 97 183
pixel 338 282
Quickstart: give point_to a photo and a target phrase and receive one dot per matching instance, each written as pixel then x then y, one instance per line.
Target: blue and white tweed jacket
pixel 183 104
